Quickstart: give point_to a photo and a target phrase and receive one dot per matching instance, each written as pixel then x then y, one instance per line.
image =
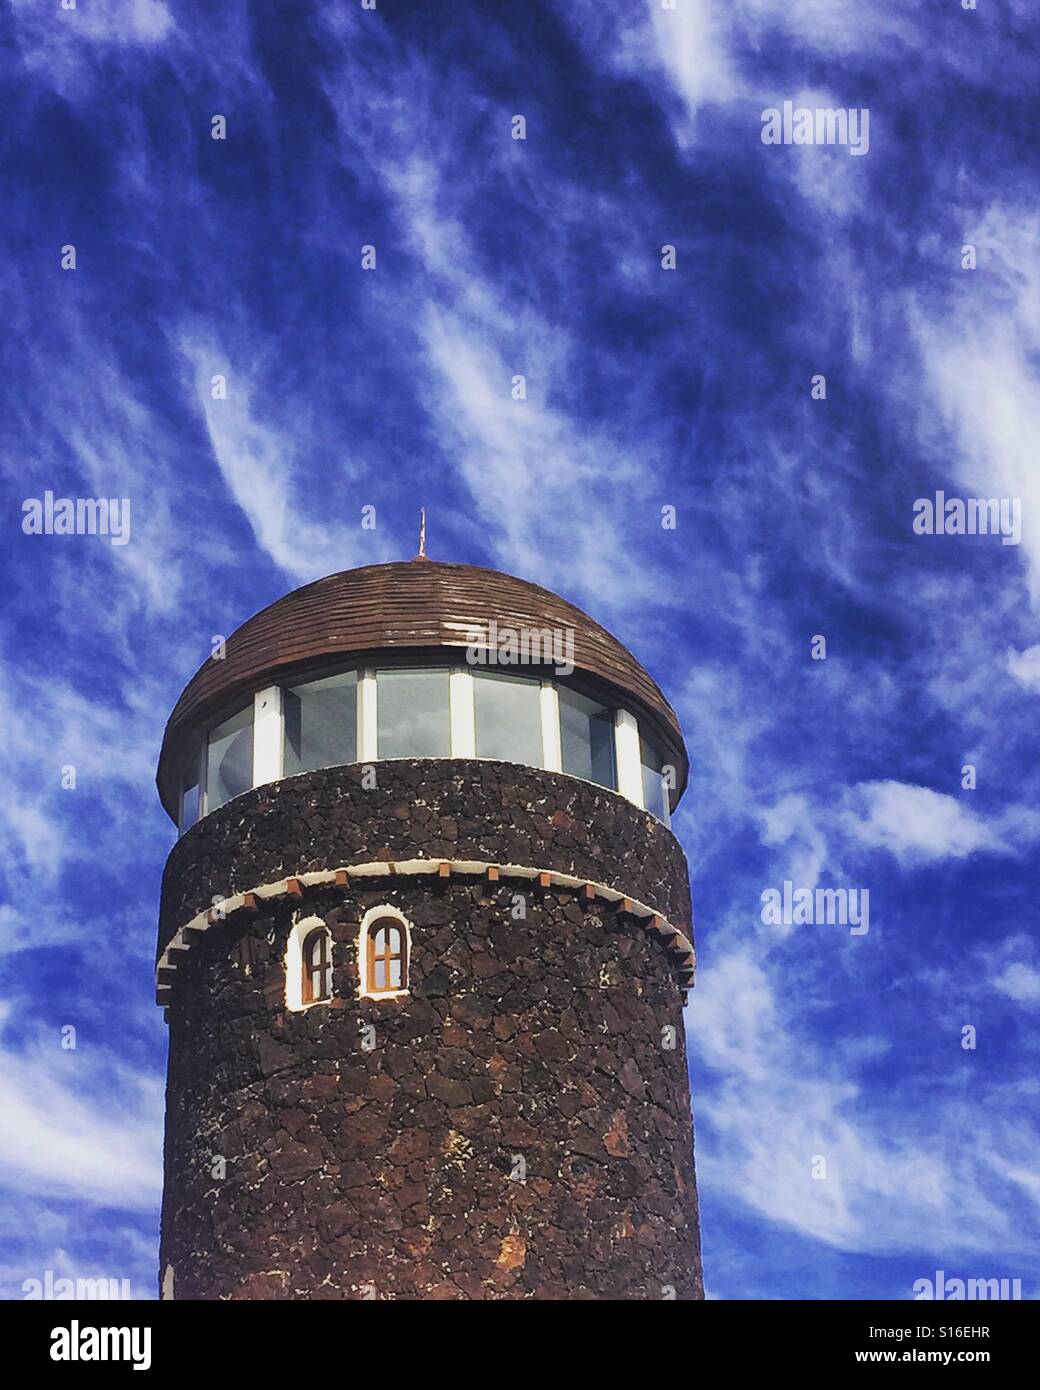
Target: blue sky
pixel 646 388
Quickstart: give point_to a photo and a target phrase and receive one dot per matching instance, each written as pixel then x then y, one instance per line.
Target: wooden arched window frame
pixel 316 966
pixel 386 957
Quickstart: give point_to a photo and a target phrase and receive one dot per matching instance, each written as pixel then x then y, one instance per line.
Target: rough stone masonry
pixel 516 1126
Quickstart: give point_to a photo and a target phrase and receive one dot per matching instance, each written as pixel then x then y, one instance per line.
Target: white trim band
pixel 180 941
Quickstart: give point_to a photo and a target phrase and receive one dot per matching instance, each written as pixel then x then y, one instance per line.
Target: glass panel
pixel 229 765
pixel 587 738
pixel 380 946
pixel 412 717
pixel 509 720
pixel 395 974
pixel 191 803
pixel 190 806
pixel 655 791
pixel 380 974
pixel 321 723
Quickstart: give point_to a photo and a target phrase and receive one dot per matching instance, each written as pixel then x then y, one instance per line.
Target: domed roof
pixel 415 606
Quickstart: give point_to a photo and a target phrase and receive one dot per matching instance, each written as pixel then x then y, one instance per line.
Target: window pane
pixel 395 974
pixel 412 716
pixel 655 792
pixel 587 738
pixel 380 941
pixel 321 723
pixel 190 805
pixel 229 765
pixel 380 974
pixel 509 720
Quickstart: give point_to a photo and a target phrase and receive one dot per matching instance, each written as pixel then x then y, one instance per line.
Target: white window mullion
pixel 626 755
pixel 203 777
pixel 552 746
pixel 267 735
pixel 463 714
pixel 367 735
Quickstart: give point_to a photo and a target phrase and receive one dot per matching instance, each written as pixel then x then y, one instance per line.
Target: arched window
pixel 308 964
pixel 383 953
pixel 317 967
pixel 387 961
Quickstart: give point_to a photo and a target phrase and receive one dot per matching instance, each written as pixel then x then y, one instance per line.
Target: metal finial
pixel 422 534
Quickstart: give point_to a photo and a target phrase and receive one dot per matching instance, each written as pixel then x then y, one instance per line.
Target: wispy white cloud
pixel 534 472
pixel 792 822
pixel 1025 667
pixel 79 1123
pixel 1020 982
pixel 916 823
pixel 57 45
pixel 691 45
pixel 987 389
pixel 257 462
pixel 119 22
pixel 897 1176
pixel 76 768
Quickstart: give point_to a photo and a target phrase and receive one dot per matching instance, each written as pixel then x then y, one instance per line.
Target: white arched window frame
pixel 296 966
pixel 374 925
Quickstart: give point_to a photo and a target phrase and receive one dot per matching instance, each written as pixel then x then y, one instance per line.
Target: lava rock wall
pixel 517 1126
pixel 476 809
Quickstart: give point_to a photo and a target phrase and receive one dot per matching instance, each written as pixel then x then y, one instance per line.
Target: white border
pixel 374 914
pixel 552 740
pixel 294 963
pixel 268 735
pixel 367 715
pixel 627 758
pixel 202 921
pixel 462 714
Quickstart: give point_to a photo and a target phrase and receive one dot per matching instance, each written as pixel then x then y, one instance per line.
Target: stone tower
pixel 424 944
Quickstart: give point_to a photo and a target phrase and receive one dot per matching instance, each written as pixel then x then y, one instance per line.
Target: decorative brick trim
pixel 675 941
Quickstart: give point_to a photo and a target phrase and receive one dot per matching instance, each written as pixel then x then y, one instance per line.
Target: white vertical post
pixel 267 735
pixel 203 777
pixel 552 745
pixel 367 739
pixel 463 714
pixel 626 753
